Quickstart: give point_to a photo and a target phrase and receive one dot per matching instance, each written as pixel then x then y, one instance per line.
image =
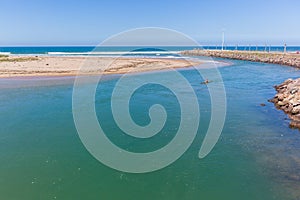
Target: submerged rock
pixel 288 100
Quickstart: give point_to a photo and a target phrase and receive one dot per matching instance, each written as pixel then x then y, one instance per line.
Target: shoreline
pixel 287 59
pixel 70 66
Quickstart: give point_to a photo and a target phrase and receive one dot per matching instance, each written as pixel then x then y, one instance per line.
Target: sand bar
pixel 23 66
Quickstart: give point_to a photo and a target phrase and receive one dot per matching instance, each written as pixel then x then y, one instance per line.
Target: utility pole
pixel 223 39
pixel 266 47
pixel 284 48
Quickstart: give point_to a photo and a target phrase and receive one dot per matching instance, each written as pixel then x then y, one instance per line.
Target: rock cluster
pixel 288 100
pixel 290 59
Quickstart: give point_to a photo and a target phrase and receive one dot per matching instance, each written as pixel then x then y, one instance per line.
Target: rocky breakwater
pixel 290 59
pixel 288 100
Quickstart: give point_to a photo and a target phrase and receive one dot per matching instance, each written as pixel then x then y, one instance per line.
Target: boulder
pixel 296 110
pixel 288 100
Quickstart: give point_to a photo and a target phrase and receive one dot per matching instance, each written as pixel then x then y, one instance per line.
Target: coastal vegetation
pixel 6 58
pixel 3 56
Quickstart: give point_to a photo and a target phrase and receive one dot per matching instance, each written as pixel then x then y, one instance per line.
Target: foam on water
pixel 5 53
pixel 114 53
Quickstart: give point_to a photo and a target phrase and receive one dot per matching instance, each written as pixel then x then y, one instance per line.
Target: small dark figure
pixel 206 81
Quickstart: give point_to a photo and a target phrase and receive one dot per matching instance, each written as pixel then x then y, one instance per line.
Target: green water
pixel 42 156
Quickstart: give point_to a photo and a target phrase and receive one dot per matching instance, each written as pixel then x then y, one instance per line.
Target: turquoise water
pixel 256 157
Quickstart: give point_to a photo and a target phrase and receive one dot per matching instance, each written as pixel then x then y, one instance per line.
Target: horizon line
pixel 210 45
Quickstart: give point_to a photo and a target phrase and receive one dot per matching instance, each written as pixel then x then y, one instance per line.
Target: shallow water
pixel 256 157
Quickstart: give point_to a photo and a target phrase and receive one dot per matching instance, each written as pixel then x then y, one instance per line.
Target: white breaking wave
pixel 5 53
pixel 115 53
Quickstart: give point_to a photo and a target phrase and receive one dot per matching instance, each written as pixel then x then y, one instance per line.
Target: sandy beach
pixel 24 66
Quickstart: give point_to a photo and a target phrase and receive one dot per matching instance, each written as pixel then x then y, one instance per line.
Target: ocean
pixel 114 50
pixel 42 156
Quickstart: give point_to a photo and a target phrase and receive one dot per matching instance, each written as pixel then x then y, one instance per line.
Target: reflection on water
pixel 256 157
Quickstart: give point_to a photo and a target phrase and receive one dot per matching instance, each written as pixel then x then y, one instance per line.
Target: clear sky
pixel 72 22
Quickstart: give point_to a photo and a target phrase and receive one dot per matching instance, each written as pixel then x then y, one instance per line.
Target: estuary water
pixel 256 157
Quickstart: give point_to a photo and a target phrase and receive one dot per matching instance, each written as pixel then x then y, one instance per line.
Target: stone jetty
pixel 289 59
pixel 288 100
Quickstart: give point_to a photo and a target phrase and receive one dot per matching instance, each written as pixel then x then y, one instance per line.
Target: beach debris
pixel 288 100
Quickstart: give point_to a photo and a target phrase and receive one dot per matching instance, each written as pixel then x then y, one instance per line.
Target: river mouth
pixel 255 158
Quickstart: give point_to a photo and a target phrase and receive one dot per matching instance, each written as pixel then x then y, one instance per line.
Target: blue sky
pixel 67 22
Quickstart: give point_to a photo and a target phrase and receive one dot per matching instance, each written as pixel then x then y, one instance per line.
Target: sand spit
pixel 18 66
